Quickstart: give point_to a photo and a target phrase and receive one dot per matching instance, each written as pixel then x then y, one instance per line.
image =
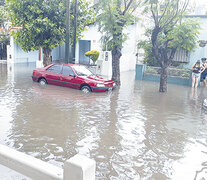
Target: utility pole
pixel 75 29
pixel 67 38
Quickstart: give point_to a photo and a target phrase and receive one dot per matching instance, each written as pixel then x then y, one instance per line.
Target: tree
pixel 81 15
pixel 3 16
pixel 43 24
pixel 2 2
pixel 86 15
pixel 168 34
pixel 114 16
pixel 146 45
pixel 4 35
pixel 183 35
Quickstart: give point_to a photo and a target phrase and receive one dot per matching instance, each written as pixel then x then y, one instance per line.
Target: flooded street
pixel 134 132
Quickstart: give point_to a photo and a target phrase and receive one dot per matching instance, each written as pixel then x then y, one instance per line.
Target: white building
pixel 90 41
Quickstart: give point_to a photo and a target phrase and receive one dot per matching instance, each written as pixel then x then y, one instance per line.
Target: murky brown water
pixel 133 133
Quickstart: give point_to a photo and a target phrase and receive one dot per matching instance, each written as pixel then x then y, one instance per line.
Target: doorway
pixel 3 51
pixel 84 46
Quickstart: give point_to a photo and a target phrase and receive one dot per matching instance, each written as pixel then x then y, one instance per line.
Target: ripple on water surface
pixel 135 132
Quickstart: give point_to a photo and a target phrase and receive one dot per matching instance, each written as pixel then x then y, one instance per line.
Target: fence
pixel 181 77
pixel 78 167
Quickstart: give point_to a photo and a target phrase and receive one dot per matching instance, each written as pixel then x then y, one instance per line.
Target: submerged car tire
pixel 42 81
pixel 86 89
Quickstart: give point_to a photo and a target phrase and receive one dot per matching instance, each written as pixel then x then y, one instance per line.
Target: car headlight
pixel 100 85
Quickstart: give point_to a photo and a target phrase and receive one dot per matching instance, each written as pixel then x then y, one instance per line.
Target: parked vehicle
pixel 73 76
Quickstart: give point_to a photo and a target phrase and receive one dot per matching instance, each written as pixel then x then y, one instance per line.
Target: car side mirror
pixel 73 75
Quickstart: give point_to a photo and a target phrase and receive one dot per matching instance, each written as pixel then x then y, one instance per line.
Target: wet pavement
pixel 134 132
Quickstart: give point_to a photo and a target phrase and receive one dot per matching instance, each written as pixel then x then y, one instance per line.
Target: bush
pixel 93 55
pixel 172 71
pixel 149 58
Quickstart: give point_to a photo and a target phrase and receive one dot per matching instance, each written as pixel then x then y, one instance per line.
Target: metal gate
pixel 84 46
pixel 3 51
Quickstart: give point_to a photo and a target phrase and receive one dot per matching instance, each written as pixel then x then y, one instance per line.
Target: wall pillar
pixel 10 51
pixel 79 167
pixel 39 62
pixel 140 69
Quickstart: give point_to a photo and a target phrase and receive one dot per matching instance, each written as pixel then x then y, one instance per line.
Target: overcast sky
pixel 200 2
pixel 199 6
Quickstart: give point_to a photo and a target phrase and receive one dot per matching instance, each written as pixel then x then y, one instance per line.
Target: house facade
pixel 104 63
pixel 92 41
pixel 200 51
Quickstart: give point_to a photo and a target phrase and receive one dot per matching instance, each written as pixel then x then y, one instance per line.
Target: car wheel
pixel 43 81
pixel 86 89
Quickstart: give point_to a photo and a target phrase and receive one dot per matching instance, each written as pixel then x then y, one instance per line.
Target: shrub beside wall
pixel 93 55
pixel 172 72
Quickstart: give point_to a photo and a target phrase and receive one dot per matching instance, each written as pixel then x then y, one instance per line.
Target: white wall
pixel 199 52
pixel 128 58
pixel 22 56
pixel 15 54
pixel 10 51
pixel 93 35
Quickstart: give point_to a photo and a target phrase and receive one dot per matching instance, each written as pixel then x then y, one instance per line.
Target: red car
pixel 73 76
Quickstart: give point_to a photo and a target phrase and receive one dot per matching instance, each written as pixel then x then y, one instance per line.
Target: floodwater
pixel 135 132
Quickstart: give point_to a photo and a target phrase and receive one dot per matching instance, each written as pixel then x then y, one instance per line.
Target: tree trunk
pixel 47 56
pixel 163 79
pixel 116 54
pixel 155 49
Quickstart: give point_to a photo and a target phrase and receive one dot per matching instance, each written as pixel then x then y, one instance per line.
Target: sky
pixel 201 6
pixel 200 2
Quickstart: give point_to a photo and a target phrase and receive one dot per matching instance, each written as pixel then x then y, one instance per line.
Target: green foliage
pixel 2 2
pixel 43 22
pixel 113 18
pixel 152 70
pixel 93 55
pixel 173 72
pixel 86 15
pixel 4 37
pixel 149 58
pixel 3 16
pixel 184 35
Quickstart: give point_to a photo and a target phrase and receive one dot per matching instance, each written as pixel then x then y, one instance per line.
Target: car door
pixel 68 77
pixel 52 74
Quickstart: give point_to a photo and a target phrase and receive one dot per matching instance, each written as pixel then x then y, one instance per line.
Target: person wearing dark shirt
pixel 196 71
pixel 203 71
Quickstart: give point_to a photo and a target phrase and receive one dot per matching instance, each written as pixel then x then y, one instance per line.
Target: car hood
pixel 39 69
pixel 98 79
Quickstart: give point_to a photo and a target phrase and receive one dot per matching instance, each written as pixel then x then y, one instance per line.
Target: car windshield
pixel 82 71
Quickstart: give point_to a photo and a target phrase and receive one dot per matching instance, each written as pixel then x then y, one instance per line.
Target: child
pixel 196 73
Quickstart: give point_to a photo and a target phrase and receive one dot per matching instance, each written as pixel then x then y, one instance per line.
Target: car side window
pixel 67 71
pixel 56 68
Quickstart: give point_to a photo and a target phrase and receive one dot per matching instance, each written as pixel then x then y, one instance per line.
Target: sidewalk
pixel 9 174
pixel 3 61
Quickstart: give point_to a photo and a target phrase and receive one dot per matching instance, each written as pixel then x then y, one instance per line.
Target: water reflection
pixel 135 132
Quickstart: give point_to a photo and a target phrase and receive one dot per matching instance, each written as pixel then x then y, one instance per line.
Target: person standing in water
pixel 196 74
pixel 203 71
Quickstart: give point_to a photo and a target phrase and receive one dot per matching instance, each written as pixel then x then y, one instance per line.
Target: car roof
pixel 68 64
